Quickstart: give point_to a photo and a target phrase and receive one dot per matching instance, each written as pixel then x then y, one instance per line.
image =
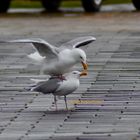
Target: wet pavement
pixel 107 104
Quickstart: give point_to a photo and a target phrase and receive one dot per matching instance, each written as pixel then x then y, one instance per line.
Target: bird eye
pixel 81 57
pixel 74 73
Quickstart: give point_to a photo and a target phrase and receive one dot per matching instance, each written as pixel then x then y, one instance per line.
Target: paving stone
pixel 105 107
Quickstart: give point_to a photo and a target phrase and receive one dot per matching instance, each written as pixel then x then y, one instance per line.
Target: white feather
pixel 36 56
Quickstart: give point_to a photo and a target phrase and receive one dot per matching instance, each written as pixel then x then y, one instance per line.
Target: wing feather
pixel 43 47
pixel 49 86
pixel 79 42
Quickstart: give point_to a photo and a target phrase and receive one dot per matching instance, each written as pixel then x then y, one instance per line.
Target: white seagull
pixel 57 61
pixel 59 87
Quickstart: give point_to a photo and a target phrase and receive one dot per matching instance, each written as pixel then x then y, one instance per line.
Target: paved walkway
pixel 105 107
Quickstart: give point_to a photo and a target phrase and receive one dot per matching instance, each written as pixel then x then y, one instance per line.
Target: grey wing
pixel 49 86
pixel 79 42
pixel 43 47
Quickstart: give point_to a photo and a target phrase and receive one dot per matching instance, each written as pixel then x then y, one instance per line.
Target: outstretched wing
pixel 79 42
pixel 43 47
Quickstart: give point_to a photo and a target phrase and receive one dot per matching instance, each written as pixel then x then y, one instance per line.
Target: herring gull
pixel 59 87
pixel 57 60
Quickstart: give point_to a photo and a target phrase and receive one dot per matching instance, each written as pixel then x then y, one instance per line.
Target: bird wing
pixel 78 42
pixel 49 86
pixel 44 48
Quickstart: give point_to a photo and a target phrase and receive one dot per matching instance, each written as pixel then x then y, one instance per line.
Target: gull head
pixel 77 74
pixel 80 56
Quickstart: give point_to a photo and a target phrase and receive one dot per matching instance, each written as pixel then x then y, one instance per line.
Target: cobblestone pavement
pixel 107 104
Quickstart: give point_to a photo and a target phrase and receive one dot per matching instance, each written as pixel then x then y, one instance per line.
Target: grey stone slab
pixel 105 107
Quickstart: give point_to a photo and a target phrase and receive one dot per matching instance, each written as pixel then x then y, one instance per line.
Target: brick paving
pixel 105 107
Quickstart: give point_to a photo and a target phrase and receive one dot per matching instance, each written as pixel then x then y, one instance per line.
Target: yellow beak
pixel 83 73
pixel 85 65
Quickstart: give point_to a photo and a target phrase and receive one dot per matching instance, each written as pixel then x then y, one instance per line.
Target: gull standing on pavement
pixel 57 61
pixel 59 87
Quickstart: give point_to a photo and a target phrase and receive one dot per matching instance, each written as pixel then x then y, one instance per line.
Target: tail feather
pixel 30 88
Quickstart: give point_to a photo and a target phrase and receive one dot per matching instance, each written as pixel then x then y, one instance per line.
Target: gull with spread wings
pixel 57 60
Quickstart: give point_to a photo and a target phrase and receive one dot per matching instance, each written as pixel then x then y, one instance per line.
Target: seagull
pixel 57 60
pixel 59 87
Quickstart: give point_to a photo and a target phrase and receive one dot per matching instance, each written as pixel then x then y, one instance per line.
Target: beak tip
pixel 85 65
pixel 84 73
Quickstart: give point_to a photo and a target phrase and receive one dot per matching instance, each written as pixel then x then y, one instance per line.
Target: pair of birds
pixel 57 61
